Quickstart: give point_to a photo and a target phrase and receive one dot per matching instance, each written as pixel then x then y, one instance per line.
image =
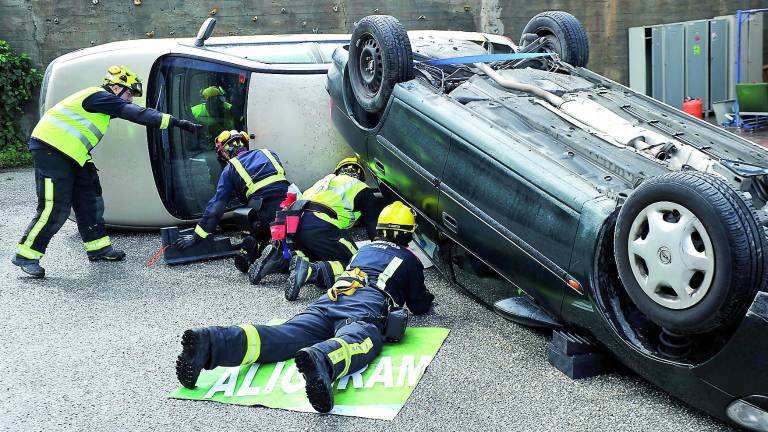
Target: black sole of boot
pixel 187 369
pixel 319 391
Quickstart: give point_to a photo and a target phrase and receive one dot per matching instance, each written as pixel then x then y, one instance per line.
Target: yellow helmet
pixel 352 167
pixel 230 143
pixel 396 217
pixel 122 76
pixel 212 91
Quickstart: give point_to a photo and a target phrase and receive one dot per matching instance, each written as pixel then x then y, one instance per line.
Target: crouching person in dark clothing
pixel 339 333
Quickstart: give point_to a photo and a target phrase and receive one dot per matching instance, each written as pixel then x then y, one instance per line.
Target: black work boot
pixel 270 261
pixel 317 371
pixel 29 266
pixel 244 256
pixel 194 356
pixel 302 272
pixel 107 254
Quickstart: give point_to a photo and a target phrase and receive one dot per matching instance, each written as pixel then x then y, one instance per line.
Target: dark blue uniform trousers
pixel 346 331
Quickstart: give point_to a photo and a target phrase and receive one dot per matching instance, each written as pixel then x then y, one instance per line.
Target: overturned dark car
pixel 618 217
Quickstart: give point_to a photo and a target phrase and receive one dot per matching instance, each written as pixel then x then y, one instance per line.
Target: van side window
pixel 186 166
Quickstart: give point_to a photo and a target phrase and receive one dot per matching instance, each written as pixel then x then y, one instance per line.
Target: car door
pixel 408 155
pixel 497 208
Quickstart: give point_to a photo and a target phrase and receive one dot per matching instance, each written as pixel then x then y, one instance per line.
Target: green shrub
pixel 17 80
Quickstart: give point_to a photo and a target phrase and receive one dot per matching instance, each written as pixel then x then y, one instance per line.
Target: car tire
pixel 564 35
pixel 379 57
pixel 690 251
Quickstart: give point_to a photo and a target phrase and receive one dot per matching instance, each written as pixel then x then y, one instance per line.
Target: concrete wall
pixel 46 29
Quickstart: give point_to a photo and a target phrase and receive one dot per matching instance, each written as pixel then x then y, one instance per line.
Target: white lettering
pixel 291 385
pixel 273 378
pixel 411 372
pixel 357 379
pixel 245 388
pixel 382 373
pixel 226 383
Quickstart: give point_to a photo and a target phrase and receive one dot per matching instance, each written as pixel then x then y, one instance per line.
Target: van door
pixel 408 155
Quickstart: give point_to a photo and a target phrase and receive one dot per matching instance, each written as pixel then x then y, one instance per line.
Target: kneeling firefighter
pixel 61 145
pixel 321 242
pixel 339 333
pixel 258 180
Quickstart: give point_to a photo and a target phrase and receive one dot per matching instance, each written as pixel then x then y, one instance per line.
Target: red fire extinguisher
pixel 693 107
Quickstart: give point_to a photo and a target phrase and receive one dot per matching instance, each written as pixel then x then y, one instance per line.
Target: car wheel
pixel 379 57
pixel 690 251
pixel 563 34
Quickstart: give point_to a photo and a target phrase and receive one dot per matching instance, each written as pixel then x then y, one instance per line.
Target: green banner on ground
pixel 378 391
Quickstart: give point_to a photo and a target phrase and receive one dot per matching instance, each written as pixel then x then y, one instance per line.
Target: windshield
pixel 282 53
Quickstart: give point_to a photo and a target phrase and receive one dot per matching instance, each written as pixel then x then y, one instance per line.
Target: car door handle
pixel 379 166
pixel 450 223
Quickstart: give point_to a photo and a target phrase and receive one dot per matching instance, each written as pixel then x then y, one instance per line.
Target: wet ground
pixel 92 347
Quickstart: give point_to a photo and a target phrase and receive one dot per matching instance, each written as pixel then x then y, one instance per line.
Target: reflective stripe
pixel 337 268
pixel 340 354
pixel 349 245
pixel 278 167
pixel 249 184
pixel 200 231
pixel 381 282
pixel 254 344
pixel 82 120
pixel 72 131
pixel 97 244
pixel 263 182
pixel 361 348
pixel 44 215
pixel 165 121
pixel 28 252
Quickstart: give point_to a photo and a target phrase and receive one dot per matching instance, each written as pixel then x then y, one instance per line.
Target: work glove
pixel 188 125
pixel 186 241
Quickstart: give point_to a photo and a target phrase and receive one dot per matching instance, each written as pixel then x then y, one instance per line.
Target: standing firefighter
pixel 339 333
pixel 61 145
pixel 322 244
pixel 257 178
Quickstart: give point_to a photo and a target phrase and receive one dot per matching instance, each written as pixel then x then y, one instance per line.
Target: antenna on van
pixel 206 30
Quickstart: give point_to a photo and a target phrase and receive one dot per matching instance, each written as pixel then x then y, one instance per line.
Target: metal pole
pixel 737 121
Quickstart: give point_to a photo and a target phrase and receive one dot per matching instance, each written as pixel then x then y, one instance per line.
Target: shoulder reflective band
pixel 252 187
pixel 272 159
pixel 253 350
pixel 483 58
pixel 381 282
pixel 349 245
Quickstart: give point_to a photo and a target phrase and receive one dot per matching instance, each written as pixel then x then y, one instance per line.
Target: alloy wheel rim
pixel 671 255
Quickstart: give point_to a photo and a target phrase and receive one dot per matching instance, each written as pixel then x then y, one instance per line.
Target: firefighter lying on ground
pixel 322 245
pixel 258 180
pixel 66 178
pixel 339 333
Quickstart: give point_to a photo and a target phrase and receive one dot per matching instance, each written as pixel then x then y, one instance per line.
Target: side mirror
pixel 206 30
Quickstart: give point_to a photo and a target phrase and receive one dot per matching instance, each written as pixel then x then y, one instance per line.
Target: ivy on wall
pixel 17 81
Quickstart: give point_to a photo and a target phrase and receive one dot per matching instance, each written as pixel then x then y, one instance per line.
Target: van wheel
pixel 379 57
pixel 690 251
pixel 562 33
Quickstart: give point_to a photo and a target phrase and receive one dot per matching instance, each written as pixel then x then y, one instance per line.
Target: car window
pixel 186 164
pixel 281 53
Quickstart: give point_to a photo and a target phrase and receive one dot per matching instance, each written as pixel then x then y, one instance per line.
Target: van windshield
pixel 186 165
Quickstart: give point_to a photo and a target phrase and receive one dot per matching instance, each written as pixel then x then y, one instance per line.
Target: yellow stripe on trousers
pixel 48 193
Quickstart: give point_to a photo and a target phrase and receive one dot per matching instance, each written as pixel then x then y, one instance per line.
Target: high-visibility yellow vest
pixel 71 129
pixel 225 120
pixel 337 192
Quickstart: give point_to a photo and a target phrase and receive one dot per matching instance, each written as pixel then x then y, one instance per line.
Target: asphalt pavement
pixel 92 347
